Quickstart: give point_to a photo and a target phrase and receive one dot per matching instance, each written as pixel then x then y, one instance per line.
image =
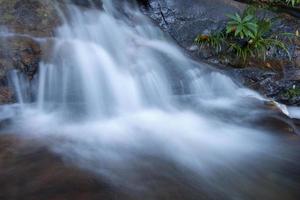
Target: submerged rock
pixel 28 170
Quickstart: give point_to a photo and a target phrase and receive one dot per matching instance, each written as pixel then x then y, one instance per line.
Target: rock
pixel 20 53
pixel 23 24
pixel 184 22
pixel 297 62
pixel 85 3
pixel 275 118
pixel 6 95
pixel 269 83
pixel 32 17
pixel 28 170
pixel 297 56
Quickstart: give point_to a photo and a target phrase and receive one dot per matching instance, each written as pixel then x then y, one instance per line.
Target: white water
pixel 110 98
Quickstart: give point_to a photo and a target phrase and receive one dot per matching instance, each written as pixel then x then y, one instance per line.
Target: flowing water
pixel 119 99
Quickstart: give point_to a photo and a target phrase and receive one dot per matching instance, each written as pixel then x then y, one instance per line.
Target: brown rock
pixel 34 17
pixel 6 95
pixel 20 53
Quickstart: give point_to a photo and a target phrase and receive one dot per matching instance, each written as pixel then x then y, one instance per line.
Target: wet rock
pixel 297 57
pixel 22 23
pixel 145 3
pixel 21 53
pixel 63 5
pixel 184 22
pixel 6 95
pixel 268 82
pixel 85 3
pixel 29 171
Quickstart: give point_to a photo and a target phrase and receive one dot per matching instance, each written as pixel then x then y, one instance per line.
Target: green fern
pixel 242 26
pixel 246 35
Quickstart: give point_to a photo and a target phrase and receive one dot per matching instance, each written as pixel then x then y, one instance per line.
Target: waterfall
pixel 120 99
pixel 21 86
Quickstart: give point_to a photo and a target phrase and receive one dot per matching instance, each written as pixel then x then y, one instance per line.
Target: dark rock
pixel 270 83
pixel 297 56
pixel 85 3
pixel 145 3
pixel 184 22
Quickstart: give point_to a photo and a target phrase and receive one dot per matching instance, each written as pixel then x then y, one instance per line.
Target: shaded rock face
pixel 185 19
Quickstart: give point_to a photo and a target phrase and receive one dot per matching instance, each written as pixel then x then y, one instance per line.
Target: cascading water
pixel 108 102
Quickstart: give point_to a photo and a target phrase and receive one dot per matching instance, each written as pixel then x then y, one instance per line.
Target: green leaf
pixel 238 17
pixel 238 30
pixel 253 27
pixel 248 18
pixel 233 17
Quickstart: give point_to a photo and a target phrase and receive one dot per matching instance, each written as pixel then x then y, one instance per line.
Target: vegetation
pixel 277 2
pixel 292 93
pixel 246 35
pixel 288 2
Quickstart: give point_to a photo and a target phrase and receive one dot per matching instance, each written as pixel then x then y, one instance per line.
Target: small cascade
pixel 21 86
